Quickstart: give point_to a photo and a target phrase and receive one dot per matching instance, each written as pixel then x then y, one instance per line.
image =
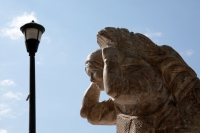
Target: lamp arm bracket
pixel 28 97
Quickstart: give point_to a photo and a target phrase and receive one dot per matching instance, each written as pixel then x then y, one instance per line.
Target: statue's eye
pixel 89 73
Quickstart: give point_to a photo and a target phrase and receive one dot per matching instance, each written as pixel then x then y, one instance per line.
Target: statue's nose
pixel 92 78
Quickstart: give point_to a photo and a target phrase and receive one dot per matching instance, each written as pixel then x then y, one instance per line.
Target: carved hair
pixel 132 45
pixel 135 45
pixel 95 60
pixel 164 59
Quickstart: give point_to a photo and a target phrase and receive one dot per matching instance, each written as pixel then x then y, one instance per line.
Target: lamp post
pixel 32 32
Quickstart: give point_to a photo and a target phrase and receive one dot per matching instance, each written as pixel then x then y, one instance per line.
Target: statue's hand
pixel 111 54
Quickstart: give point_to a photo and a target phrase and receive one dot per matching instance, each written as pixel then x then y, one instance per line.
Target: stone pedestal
pixel 134 124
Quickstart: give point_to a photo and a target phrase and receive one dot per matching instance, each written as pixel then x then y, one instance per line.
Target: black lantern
pixel 32 32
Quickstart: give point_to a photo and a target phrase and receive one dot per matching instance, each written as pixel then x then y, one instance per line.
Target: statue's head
pixel 94 68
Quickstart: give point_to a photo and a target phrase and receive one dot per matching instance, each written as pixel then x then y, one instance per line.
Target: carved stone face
pixel 94 68
pixel 95 74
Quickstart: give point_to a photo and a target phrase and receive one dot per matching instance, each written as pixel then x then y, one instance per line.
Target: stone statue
pixel 151 88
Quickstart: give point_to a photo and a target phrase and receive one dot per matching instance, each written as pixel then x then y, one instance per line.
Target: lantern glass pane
pixel 40 35
pixel 31 33
pixel 24 35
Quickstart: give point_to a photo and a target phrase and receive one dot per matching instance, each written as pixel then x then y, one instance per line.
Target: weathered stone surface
pixel 151 88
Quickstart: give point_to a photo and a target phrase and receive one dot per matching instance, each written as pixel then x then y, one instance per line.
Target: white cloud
pixel 189 52
pixel 4 110
pixel 3 131
pixel 46 38
pixel 38 63
pixel 12 95
pixel 152 34
pixel 3 106
pixel 13 29
pixel 7 82
pixel 6 64
pixel 7 113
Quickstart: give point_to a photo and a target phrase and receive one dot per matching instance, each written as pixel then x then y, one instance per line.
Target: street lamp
pixel 32 33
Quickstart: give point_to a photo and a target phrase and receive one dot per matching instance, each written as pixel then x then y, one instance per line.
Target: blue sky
pixel 71 28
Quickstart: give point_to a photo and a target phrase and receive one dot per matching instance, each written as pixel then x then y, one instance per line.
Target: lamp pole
pixel 32 32
pixel 32 103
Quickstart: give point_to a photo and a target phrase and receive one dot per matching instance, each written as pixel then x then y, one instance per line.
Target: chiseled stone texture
pixel 151 88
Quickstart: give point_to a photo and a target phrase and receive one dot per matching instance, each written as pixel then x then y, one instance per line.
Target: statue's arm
pixel 90 98
pixel 112 76
pixel 97 113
